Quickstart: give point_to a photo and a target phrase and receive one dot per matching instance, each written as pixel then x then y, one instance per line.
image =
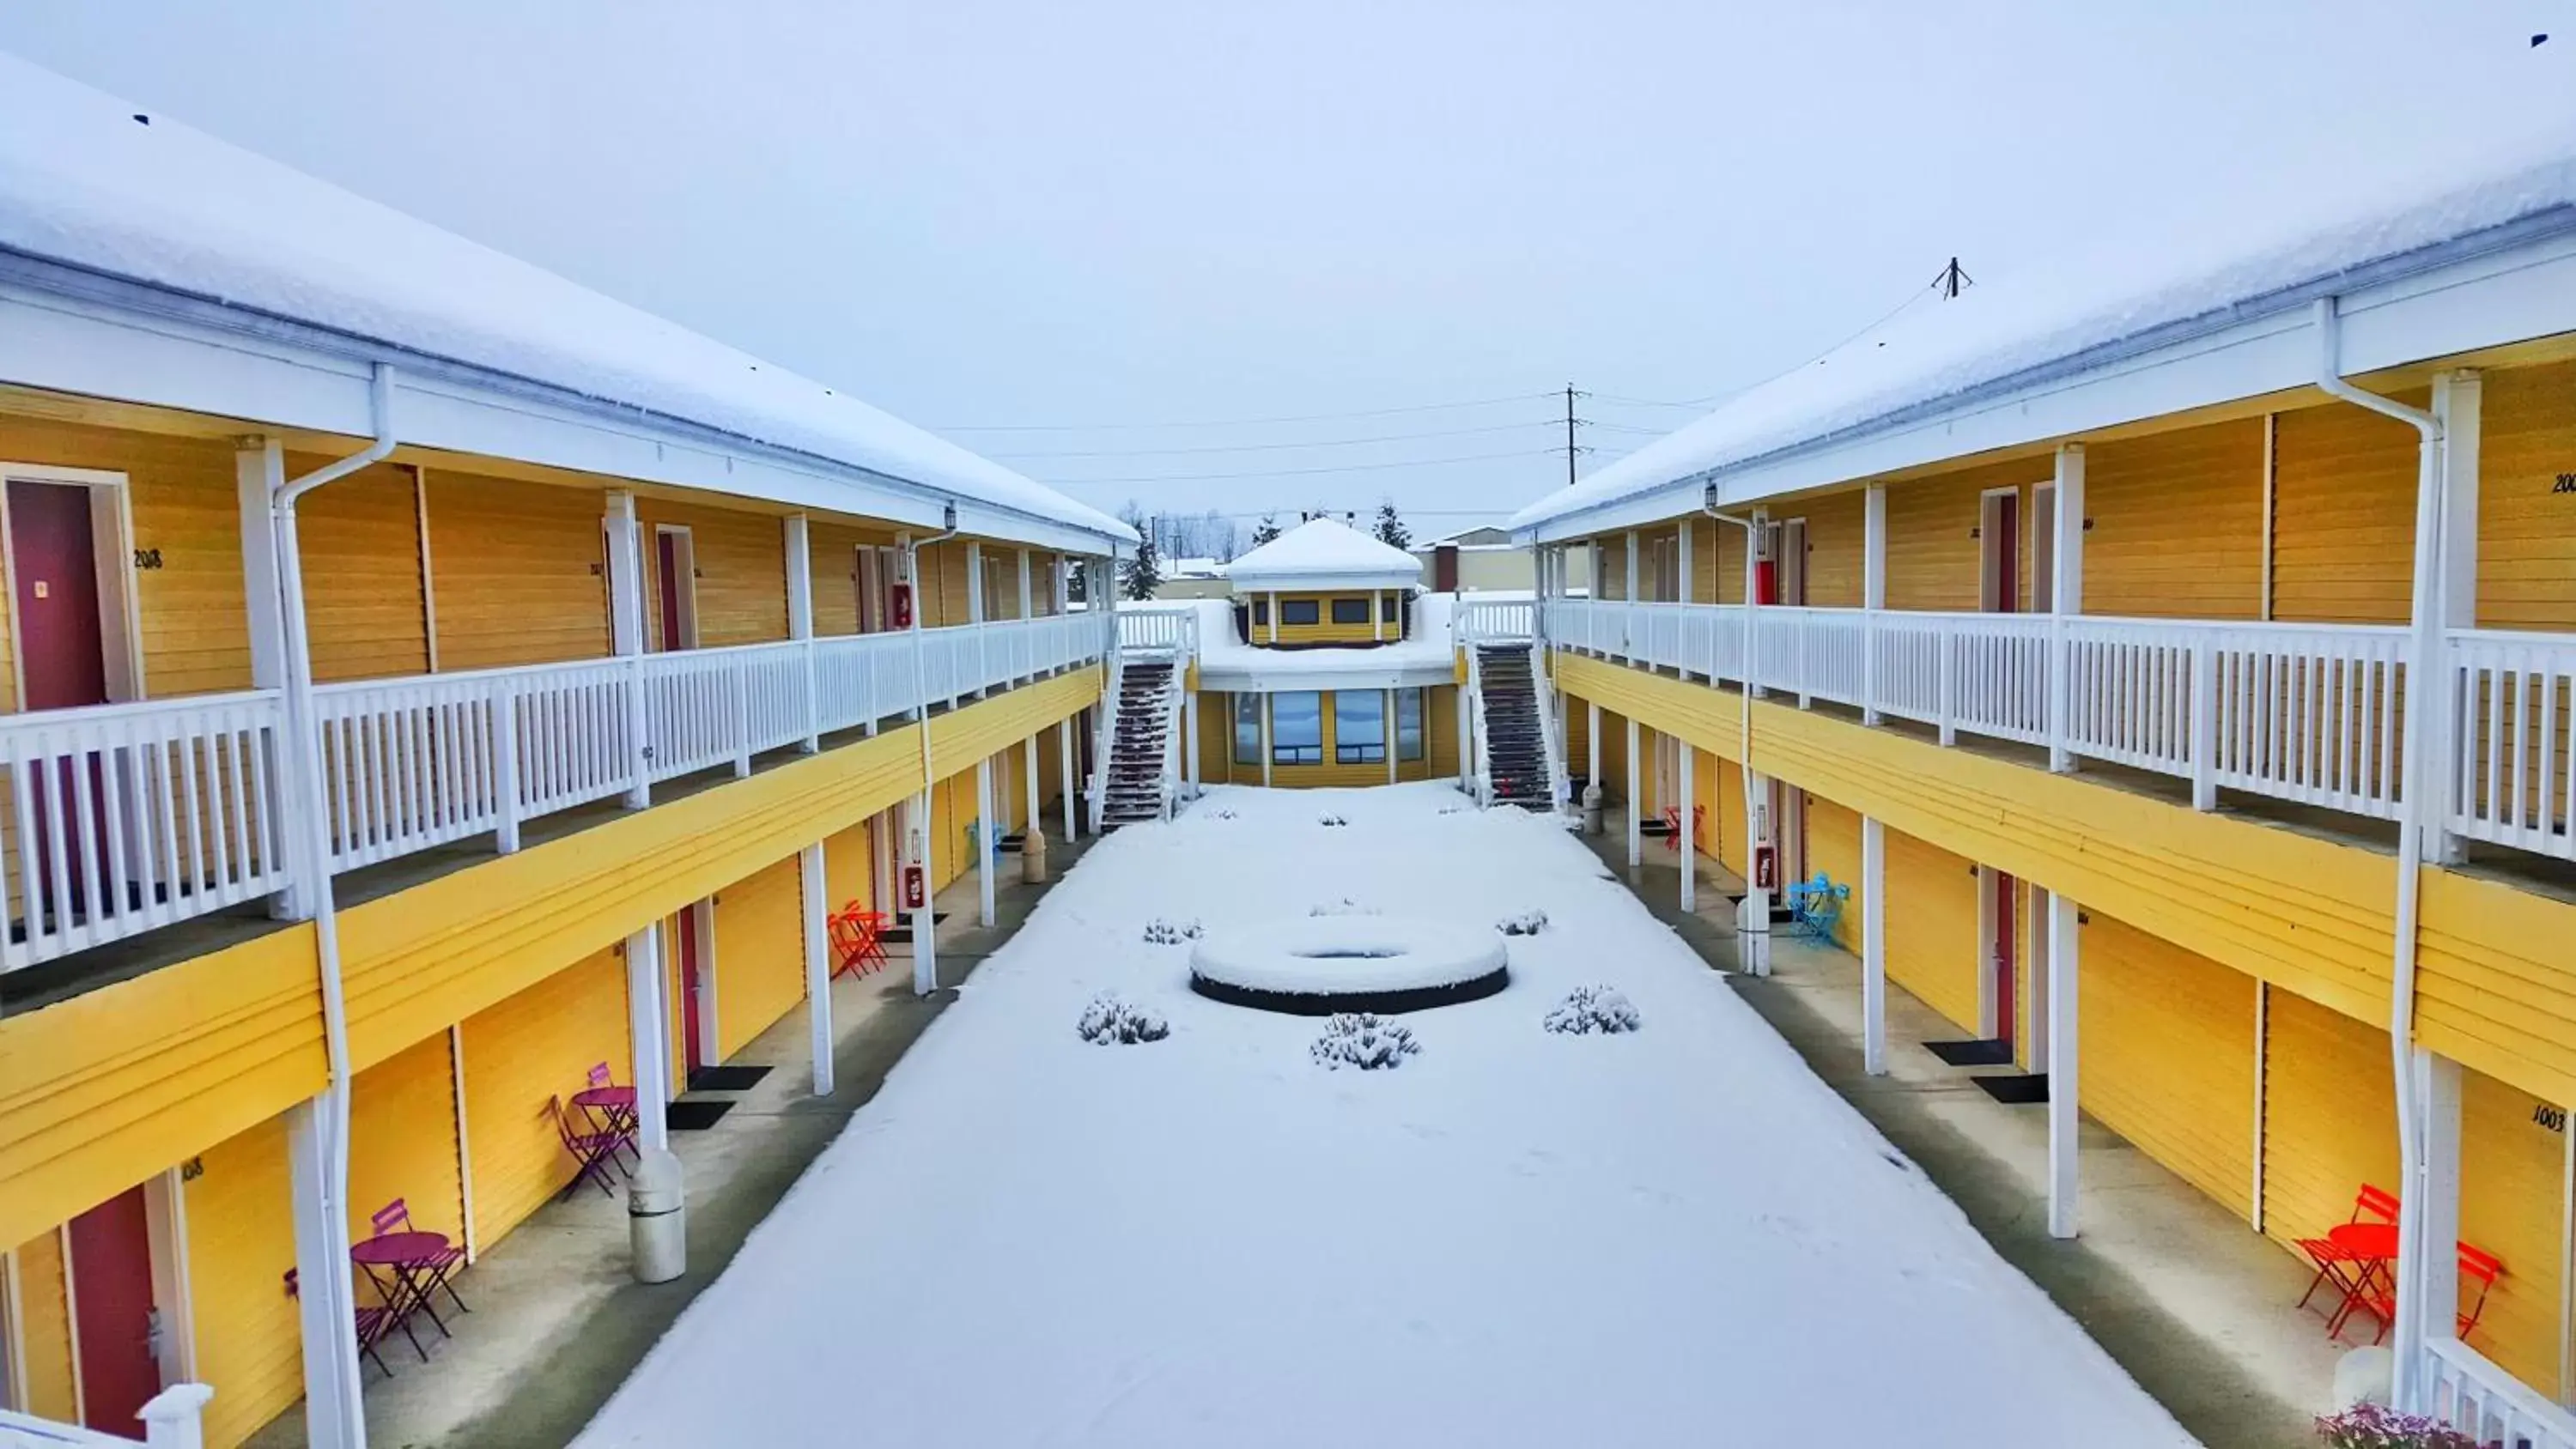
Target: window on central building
pixel 1299 611
pixel 1359 727
pixel 1350 611
pixel 1297 728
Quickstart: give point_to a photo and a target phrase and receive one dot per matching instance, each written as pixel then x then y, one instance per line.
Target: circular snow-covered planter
pixel 1320 965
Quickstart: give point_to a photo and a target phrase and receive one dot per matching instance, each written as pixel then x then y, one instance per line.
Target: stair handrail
pixel 1172 740
pixel 1477 743
pixel 1105 737
pixel 1560 789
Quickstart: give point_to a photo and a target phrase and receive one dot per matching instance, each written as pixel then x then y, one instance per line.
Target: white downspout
pixel 1753 932
pixel 314 844
pixel 2423 668
pixel 925 922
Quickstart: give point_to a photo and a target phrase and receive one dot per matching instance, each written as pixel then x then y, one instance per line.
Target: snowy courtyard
pixel 1514 1236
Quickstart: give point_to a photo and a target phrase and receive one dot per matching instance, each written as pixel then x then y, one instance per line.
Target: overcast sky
pixel 977 213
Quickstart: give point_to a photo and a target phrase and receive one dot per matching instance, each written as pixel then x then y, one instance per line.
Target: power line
pixel 1244 422
pixel 1300 472
pixel 1267 447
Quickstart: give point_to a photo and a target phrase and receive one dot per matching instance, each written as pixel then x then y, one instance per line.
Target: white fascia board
pixel 1264 681
pixel 1324 583
pixel 2493 300
pixel 88 347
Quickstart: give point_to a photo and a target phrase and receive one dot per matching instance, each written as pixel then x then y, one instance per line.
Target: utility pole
pixel 1570 449
pixel 1952 280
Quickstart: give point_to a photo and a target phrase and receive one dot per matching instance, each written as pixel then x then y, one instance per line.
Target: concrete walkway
pixel 557 1322
pixel 2194 1303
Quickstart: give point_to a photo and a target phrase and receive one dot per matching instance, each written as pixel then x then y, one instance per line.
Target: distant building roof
pixel 1324 553
pixel 1469 538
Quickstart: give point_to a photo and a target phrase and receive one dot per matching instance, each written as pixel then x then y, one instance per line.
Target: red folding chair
pixel 372 1327
pixel 1673 826
pixel 395 1217
pixel 2477 1266
pixel 858 940
pixel 2336 1263
pixel 592 1150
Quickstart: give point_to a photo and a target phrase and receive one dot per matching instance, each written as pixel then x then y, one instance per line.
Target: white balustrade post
pixel 1628 632
pixel 2204 720
pixel 813 889
pixel 326 1290
pixel 1636 800
pixel 505 768
pixel 1028 669
pixel 2065 600
pixel 626 636
pixel 985 840
pixel 175 1417
pixel 2064 1073
pixel 1873 946
pixel 1681 658
pixel 1945 648
pixel 1873 594
pixel 800 621
pixel 1686 849
pixel 738 676
pixel 976 615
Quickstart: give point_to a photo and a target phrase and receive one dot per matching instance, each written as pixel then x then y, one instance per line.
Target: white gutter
pixel 2423 667
pixel 315 845
pixel 1754 957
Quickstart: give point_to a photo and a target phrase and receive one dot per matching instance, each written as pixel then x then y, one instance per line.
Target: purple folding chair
pixel 618 1119
pixel 434 1268
pixel 372 1326
pixel 592 1151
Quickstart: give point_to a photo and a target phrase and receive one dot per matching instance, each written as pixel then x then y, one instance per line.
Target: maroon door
pixel 689 983
pixel 671 557
pixel 57 595
pixel 112 1298
pixel 2006 950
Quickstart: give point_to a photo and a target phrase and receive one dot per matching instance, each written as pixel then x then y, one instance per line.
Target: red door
pixel 2006 964
pixel 54 575
pixel 671 554
pixel 112 1299
pixel 691 1056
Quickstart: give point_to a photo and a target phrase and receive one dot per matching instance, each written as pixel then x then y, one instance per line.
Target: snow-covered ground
pixel 1677 1236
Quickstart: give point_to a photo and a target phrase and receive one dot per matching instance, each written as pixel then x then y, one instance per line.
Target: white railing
pixel 172 1420
pixel 1104 738
pixel 1496 621
pixel 1174 631
pixel 2468 1391
pixel 1560 788
pixel 1480 756
pixel 2513 697
pixel 122 818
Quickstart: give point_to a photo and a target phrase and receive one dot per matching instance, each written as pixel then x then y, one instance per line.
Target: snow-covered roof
pixel 2015 332
pixel 1324 553
pixel 86 180
pixel 1427 656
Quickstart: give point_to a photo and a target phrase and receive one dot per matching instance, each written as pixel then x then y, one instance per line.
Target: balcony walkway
pixel 558 1323
pixel 2181 1291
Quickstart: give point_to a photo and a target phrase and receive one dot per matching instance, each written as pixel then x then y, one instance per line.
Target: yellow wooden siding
pixel 849 871
pixel 2329 1116
pixel 760 953
pixel 2177 524
pixel 1833 847
pixel 2526 528
pixel 943 582
pixel 1726 821
pixel 1934 895
pixel 2168 1058
pixel 517 571
pixel 45 1328
pixel 834 565
pixel 1324 630
pixel 1934 551
pixel 1440 736
pixel 1837 546
pixel 2343 515
pixel 1216 740
pixel 742 570
pixel 1613 582
pixel 241 1242
pixel 2512 1194
pixel 360 541
pixel 402 1140
pixel 538 1044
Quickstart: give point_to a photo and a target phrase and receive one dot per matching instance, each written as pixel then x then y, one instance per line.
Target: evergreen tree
pixel 1390 528
pixel 1140 575
pixel 1267 530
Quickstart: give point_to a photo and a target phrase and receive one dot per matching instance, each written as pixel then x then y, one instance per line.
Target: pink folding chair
pixel 592 1150
pixel 616 1110
pixel 434 1267
pixel 373 1326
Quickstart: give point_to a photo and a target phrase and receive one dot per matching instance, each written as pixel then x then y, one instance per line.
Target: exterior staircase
pixel 1516 766
pixel 1138 782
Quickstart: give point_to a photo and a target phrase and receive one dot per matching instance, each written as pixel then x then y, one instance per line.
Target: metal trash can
pixel 657 1219
pixel 1591 809
pixel 1033 855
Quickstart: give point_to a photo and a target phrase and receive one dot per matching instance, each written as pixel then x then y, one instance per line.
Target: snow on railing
pixel 1105 738
pixel 122 818
pixel 1175 631
pixel 1496 621
pixel 171 1420
pixel 2468 1391
pixel 1477 742
pixel 2513 779
pixel 1551 722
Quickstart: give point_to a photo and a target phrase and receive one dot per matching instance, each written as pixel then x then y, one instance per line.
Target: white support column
pixel 1064 772
pixel 1029 803
pixel 1591 743
pixel 1628 588
pixel 1873 946
pixel 1873 594
pixel 259 471
pixel 1190 727
pixel 985 841
pixel 1466 740
pixel 2428 1233
pixel 800 621
pixel 326 1289
pixel 1274 624
pixel 648 1022
pixel 1265 730
pixel 882 844
pixel 2459 401
pixel 1377 627
pixel 977 611
pixel 1686 850
pixel 626 631
pixel 2066 600
pixel 2064 952
pixel 1682 590
pixel 1028 610
pixel 1387 732
pixel 925 921
pixel 818 963
pixel 1636 800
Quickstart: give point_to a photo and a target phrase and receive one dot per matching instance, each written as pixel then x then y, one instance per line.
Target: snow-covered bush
pixel 1343 907
pixel 1360 1039
pixel 2368 1426
pixel 1220 815
pixel 1160 932
pixel 1590 1009
pixel 1109 1021
pixel 1522 923
pixel 1329 820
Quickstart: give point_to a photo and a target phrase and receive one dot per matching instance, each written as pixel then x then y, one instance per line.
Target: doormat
pixel 687 1116
pixel 2016 1090
pixel 726 1079
pixel 1972 1053
pixel 902 935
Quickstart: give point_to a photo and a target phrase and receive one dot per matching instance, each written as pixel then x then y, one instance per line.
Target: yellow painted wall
pixel 517 571
pixel 2168 1055
pixel 45 1328
pixel 1932 898
pixel 1933 547
pixel 1837 546
pixel 2343 515
pixel 760 953
pixel 1440 738
pixel 2177 523
pixel 2526 529
pixel 537 1044
pixel 402 1140
pixel 1324 630
pixel 2511 1191
pixel 361 544
pixel 241 1242
pixel 849 871
pixel 2329 1116
pixel 742 570
pixel 1833 846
